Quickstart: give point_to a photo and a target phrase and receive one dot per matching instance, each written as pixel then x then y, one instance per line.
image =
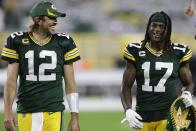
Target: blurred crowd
pixel 102 16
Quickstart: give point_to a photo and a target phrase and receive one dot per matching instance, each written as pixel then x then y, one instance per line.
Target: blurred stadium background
pixel 101 29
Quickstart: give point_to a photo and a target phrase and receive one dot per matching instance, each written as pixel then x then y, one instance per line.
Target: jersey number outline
pixel 42 67
pixel 160 87
pixel 13 35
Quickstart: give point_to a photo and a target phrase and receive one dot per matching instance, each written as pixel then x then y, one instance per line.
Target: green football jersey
pixel 40 69
pixel 156 74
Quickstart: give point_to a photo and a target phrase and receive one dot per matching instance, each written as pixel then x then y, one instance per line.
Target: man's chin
pixel 156 40
pixel 52 31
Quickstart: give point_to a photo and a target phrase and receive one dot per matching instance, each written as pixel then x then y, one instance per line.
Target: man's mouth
pixel 157 36
pixel 53 26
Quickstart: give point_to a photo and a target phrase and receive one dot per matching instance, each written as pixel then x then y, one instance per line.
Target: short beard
pixel 49 31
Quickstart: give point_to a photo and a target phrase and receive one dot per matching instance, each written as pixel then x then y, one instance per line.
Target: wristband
pixel 73 102
pixel 187 93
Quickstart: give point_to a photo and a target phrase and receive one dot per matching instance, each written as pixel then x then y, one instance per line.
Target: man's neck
pixel 40 35
pixel 158 46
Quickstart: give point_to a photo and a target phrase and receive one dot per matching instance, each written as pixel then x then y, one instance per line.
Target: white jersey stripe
pixel 37 121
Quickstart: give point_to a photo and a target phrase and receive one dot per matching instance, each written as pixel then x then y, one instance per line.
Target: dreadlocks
pixel 159 17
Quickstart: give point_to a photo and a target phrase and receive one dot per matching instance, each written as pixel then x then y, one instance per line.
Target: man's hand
pixel 187 98
pixel 74 123
pixel 133 119
pixel 10 121
pixel 189 9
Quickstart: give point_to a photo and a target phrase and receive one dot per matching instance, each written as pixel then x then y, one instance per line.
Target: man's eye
pixel 162 27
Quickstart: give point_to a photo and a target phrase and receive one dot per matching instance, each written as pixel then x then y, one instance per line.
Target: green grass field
pixel 94 121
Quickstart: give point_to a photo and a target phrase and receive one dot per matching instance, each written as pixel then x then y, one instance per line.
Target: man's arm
pixel 72 97
pixel 127 83
pixel 189 9
pixel 188 86
pixel 9 96
pixel 131 116
pixel 186 78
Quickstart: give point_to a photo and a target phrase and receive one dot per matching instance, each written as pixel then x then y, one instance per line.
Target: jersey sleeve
pixel 130 52
pixel 184 53
pixel 186 57
pixel 10 51
pixel 71 52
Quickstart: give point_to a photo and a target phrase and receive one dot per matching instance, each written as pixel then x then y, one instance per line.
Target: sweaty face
pixel 157 31
pixel 48 24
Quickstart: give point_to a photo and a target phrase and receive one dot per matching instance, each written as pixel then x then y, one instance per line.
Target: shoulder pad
pixel 15 37
pixel 180 47
pixel 64 39
pixel 135 45
pixel 182 51
pixel 133 48
pixel 16 34
pixel 131 51
pixel 63 35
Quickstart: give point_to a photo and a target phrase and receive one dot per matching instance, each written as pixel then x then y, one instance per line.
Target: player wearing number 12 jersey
pixel 156 64
pixel 40 66
pixel 41 58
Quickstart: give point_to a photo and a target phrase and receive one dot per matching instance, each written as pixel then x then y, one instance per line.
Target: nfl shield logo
pixel 23 115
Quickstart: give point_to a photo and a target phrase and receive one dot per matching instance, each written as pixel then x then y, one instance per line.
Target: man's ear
pixel 37 19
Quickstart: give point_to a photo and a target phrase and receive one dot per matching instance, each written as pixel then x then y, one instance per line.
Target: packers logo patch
pixel 181 118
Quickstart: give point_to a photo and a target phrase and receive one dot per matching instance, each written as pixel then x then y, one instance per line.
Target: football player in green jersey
pixel 39 59
pixel 155 64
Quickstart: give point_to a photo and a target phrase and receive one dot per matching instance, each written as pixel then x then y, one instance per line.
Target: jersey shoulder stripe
pixel 187 56
pixel 71 52
pixel 10 50
pixel 9 53
pixel 127 55
pixel 131 50
pixel 183 52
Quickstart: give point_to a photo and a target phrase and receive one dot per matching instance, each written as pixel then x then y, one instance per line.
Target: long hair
pixel 35 24
pixel 168 28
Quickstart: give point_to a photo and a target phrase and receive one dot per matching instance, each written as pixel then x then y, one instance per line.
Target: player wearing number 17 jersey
pixel 41 58
pixel 156 64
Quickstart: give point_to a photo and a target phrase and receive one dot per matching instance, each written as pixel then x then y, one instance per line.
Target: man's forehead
pixel 158 17
pixel 157 23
